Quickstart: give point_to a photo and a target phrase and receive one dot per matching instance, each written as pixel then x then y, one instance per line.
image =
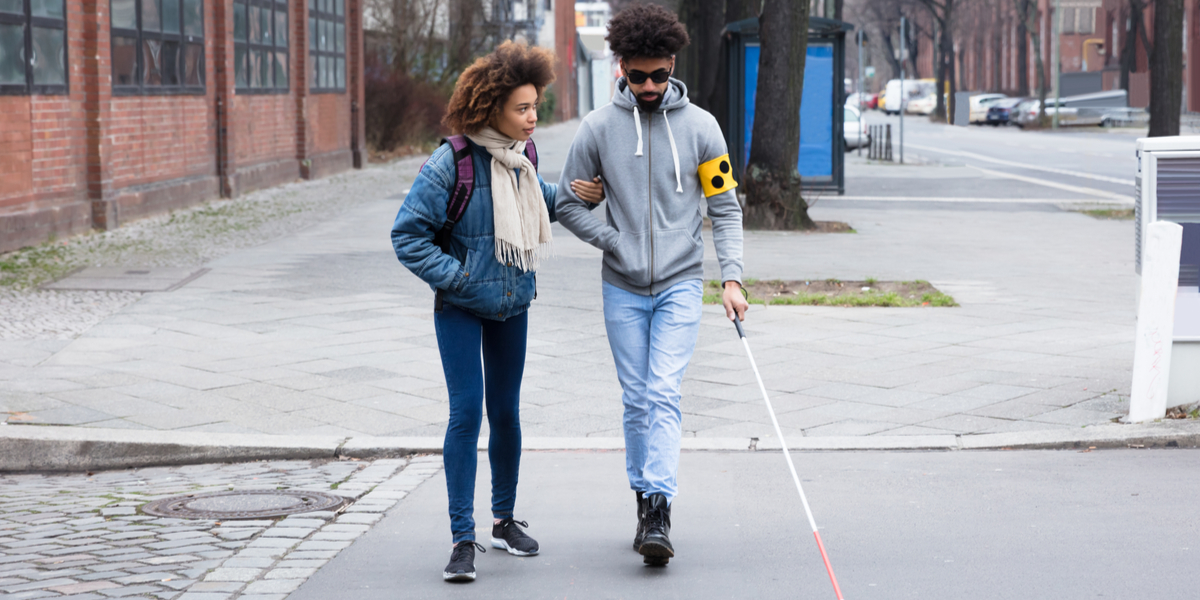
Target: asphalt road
pixel 1092 157
pixel 954 525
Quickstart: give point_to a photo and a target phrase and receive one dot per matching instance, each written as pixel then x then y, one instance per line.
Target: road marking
pixel 932 199
pixel 1089 191
pixel 1010 163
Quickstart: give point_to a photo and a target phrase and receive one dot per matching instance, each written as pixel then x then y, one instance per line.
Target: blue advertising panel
pixel 816 109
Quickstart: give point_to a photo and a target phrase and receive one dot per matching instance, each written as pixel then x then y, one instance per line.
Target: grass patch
pixel 33 265
pixel 835 292
pixel 1111 214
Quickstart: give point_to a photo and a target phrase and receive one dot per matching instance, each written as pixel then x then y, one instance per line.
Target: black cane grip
pixel 738 323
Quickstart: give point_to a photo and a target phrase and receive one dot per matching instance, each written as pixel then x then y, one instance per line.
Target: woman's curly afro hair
pixel 485 86
pixel 646 31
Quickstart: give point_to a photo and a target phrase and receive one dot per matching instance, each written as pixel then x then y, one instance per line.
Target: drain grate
pixel 251 504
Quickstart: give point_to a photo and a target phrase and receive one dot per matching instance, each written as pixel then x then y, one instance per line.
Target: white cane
pixel 788 455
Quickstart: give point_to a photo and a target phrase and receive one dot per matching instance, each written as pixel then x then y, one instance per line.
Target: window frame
pixel 27 21
pixel 317 15
pixel 182 38
pixel 276 7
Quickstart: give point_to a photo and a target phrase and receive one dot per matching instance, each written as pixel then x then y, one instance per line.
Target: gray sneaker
pixel 462 562
pixel 507 535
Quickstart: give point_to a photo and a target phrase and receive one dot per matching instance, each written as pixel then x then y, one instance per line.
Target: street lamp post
pixel 1057 59
pixel 903 57
pixel 860 90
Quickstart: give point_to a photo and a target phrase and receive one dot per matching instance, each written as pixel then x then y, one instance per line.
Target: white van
pixel 913 88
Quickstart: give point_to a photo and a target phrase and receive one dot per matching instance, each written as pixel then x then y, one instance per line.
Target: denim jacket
pixel 469 275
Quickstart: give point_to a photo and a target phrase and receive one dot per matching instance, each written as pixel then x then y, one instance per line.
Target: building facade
pixel 1098 37
pixel 112 110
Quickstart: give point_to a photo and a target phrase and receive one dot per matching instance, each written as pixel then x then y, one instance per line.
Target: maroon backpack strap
pixel 460 191
pixel 531 153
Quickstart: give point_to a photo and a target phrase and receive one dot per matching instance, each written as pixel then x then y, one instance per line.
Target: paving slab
pixel 322 333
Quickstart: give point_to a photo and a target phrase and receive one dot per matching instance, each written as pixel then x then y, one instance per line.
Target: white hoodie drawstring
pixel 637 122
pixel 674 154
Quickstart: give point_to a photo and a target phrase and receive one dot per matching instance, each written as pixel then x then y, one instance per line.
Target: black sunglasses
pixel 638 77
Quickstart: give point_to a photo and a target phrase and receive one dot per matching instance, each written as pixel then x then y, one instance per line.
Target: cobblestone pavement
pixel 54 315
pixel 82 537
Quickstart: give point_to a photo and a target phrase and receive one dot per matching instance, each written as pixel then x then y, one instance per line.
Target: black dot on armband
pixel 718 182
pixel 725 167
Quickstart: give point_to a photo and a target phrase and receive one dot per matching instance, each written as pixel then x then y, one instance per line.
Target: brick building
pixel 1095 33
pixel 112 110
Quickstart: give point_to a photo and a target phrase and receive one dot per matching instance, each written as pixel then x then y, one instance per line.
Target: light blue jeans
pixel 652 340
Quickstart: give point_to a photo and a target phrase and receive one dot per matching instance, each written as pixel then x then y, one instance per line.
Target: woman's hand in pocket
pixel 589 191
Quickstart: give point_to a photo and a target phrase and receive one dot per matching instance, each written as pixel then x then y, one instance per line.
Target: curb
pixel 54 448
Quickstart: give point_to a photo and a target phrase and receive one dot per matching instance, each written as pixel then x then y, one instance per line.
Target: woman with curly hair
pixel 482 273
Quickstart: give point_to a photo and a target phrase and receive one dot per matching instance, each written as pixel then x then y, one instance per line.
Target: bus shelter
pixel 822 142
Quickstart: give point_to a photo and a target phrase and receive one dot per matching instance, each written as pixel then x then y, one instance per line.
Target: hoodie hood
pixel 674 98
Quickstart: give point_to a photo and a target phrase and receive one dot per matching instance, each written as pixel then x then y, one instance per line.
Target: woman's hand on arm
pixel 589 191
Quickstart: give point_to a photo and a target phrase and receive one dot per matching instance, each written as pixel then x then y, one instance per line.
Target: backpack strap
pixel 460 192
pixel 460 196
pixel 531 153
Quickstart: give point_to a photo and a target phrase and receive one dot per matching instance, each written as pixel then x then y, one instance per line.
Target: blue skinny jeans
pixel 461 337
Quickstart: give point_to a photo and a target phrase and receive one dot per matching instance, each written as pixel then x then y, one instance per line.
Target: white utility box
pixel 1168 189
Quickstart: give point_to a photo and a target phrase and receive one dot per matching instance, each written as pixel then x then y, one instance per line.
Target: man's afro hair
pixel 646 31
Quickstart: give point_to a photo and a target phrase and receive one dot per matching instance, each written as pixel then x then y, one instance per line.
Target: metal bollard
pixel 888 151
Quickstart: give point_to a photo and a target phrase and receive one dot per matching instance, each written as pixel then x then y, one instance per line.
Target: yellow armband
pixel 717 176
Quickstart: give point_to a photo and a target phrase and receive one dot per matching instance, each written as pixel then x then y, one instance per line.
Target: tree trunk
pixel 772 183
pixel 1022 47
pixel 913 46
pixel 890 55
pixel 1040 65
pixel 1166 68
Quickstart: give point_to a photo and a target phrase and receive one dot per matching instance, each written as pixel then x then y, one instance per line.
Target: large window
pixel 33 49
pixel 260 54
pixel 1079 17
pixel 327 45
pixel 157 46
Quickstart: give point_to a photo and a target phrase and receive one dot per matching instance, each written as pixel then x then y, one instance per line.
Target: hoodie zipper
pixel 650 190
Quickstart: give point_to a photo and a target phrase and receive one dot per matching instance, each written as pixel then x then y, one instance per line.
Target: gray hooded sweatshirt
pixel 649 164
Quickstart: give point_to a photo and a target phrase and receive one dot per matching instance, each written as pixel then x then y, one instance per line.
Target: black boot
pixel 641 527
pixel 656 543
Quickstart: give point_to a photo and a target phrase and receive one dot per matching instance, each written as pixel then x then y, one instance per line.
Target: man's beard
pixel 650 106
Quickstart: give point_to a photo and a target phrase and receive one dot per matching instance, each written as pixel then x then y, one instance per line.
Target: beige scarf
pixel 520 217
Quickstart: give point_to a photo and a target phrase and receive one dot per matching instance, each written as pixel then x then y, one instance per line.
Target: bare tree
pixel 697 66
pixel 1135 20
pixel 1166 68
pixel 773 199
pixel 944 13
pixel 1023 9
pixel 1030 16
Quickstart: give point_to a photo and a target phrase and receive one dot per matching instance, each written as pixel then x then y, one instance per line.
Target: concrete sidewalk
pixel 323 333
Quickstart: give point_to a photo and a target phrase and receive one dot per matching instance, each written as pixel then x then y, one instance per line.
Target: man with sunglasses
pixel 659 157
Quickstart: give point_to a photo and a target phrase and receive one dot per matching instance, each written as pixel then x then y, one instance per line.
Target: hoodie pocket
pixel 631 257
pixel 675 251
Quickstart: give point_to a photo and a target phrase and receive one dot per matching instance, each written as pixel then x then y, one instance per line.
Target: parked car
pixel 898 99
pixel 1125 117
pixel 1026 113
pixel 1000 111
pixel 854 129
pixel 980 104
pixel 924 105
pixel 859 100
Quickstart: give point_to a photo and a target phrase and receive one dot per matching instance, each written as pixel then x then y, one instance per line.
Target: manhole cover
pixel 254 504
